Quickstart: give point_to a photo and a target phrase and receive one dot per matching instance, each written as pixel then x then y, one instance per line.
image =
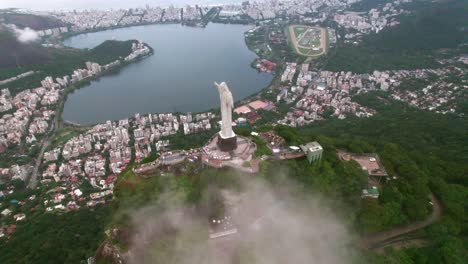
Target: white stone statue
pixel 227 103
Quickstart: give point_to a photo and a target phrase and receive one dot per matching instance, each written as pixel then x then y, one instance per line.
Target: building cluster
pixel 191 13
pixel 35 102
pixel 440 91
pixel 66 195
pixel 52 31
pixel 374 20
pixel 100 153
pixel 92 19
pixel 316 95
pixel 280 150
pixel 264 65
pixel 15 172
pixel 95 156
pixel 199 123
pixel 302 10
pixel 435 89
pixel 172 14
pixel 231 11
pixel 101 19
pixel 139 50
pixel 112 140
pixel 151 128
pixel 289 72
pixel 266 10
pixel 318 12
pixel 249 112
pixel 130 18
pixel 30 114
pixel 5 100
pixel 463 59
pixel 153 15
pixel 69 177
pixel 33 108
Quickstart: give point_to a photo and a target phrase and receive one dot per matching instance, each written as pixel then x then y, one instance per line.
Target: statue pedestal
pixel 227 144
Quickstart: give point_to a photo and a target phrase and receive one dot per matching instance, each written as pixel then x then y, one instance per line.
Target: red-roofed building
pixel 298 112
pixel 110 179
pixel 244 109
pixel 258 104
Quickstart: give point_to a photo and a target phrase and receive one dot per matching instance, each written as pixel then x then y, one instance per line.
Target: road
pixel 376 240
pixel 33 178
pixel 32 181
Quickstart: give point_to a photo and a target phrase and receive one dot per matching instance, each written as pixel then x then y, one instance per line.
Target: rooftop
pixel 242 110
pixel 258 104
pixel 312 146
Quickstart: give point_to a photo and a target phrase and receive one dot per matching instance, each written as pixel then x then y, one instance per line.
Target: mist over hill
pixel 16 54
pixel 273 226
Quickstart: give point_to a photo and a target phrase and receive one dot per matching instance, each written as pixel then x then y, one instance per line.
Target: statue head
pixel 221 86
pixel 224 93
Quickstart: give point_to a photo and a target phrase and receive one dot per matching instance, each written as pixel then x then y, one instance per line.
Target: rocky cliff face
pixel 108 251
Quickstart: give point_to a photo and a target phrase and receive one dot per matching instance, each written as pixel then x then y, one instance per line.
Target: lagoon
pixel 179 76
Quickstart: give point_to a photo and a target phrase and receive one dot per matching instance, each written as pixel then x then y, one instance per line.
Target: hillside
pixel 110 50
pixel 412 44
pixel 53 61
pixel 17 54
pixel 32 21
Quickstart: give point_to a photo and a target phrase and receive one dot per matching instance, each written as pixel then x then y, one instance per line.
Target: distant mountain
pixel 32 21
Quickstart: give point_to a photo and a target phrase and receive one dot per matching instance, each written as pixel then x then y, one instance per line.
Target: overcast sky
pixel 101 4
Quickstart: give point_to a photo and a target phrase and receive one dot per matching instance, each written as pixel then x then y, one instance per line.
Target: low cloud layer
pixel 24 35
pixel 272 227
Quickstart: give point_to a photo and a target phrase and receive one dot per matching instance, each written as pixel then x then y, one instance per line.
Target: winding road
pixel 387 238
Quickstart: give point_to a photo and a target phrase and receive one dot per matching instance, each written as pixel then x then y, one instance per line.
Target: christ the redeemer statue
pixel 227 139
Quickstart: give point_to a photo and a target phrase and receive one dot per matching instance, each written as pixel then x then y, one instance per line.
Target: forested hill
pixel 16 54
pixel 414 43
pixel 28 20
pixel 54 61
pixel 426 132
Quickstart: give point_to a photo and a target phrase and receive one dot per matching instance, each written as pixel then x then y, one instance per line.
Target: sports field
pixel 308 41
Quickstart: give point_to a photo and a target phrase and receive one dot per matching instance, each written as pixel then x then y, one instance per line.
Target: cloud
pixel 273 227
pixel 24 35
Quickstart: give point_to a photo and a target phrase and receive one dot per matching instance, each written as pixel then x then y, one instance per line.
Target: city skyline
pixel 110 4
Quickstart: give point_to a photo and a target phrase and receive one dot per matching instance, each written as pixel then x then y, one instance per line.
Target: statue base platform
pixel 238 151
pixel 227 144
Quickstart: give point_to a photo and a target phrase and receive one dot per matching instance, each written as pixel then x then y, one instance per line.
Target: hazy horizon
pixel 88 4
